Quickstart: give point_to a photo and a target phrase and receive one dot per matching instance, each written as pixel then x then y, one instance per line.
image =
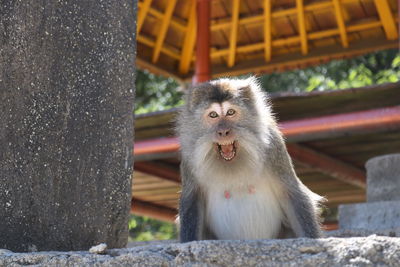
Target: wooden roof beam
pixel 159 145
pixel 258 19
pixel 267 30
pixel 234 32
pixel 331 126
pixel 340 23
pixel 158 170
pixel 165 49
pixel 163 29
pixel 296 39
pixel 179 25
pixel 276 14
pixel 144 208
pixel 387 19
pixel 293 61
pixel 327 165
pixel 144 8
pixel 189 41
pixel 301 24
pixel 143 64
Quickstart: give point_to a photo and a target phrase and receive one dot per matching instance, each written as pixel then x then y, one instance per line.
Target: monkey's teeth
pixel 227 150
pixel 225 144
pixel 230 158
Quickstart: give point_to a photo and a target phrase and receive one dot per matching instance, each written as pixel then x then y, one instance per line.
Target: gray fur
pixel 267 149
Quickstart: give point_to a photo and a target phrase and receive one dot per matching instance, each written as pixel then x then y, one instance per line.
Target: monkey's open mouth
pixel 227 151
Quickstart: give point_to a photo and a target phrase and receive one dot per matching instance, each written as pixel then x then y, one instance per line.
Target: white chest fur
pixel 249 210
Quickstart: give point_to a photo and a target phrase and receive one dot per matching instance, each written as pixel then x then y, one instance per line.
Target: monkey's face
pixel 220 118
pixel 224 126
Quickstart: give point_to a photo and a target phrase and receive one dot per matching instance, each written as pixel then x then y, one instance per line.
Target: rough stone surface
pixel 66 115
pixel 362 232
pixel 373 216
pixel 358 251
pixel 383 178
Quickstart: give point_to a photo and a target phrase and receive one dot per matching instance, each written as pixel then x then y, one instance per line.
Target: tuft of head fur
pixel 252 129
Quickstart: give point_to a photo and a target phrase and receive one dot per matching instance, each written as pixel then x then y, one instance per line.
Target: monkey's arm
pixel 299 203
pixel 189 214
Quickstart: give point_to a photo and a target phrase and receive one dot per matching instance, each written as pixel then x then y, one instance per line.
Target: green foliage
pixel 147 229
pixel 154 93
pixel 375 68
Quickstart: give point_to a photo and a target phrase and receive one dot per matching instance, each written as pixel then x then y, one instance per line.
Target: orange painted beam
pixel 328 165
pixel 158 170
pixel 330 226
pixel 203 65
pixel 144 208
pixel 342 124
pixel 159 145
pixel 375 120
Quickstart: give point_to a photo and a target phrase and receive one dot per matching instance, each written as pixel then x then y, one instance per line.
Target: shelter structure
pixel 330 135
pixel 242 36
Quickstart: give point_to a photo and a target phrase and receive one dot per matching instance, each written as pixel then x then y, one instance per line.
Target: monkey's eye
pixel 213 114
pixel 230 112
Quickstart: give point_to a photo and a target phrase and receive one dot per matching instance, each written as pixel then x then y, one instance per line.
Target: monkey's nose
pixel 224 132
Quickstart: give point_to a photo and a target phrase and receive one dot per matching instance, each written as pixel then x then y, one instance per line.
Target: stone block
pixel 358 251
pixel 373 216
pixel 383 178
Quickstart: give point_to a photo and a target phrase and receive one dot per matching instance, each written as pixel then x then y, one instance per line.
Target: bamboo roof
pixel 256 36
pixel 359 124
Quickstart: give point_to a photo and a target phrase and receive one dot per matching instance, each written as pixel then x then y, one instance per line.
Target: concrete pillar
pixel 382 210
pixel 66 114
pixel 383 178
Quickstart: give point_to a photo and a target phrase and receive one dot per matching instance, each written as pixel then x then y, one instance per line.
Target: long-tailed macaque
pixel 238 180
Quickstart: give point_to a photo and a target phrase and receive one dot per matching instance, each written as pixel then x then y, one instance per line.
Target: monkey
pixel 238 180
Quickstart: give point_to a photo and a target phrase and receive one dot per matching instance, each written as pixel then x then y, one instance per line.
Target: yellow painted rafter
pixel 259 19
pixel 178 24
pixel 234 33
pixel 387 19
pixel 219 71
pixel 189 41
pixel 340 22
pixel 267 30
pixel 163 29
pixel 144 8
pixel 167 50
pixel 296 39
pixel 302 26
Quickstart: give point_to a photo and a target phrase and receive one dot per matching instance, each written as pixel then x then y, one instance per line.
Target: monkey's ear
pixel 246 94
pixel 194 95
pixel 253 95
pixel 250 89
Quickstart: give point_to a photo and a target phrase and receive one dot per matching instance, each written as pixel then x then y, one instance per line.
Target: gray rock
pixel 67 81
pixel 357 251
pixel 383 178
pixel 373 216
pixel 362 232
